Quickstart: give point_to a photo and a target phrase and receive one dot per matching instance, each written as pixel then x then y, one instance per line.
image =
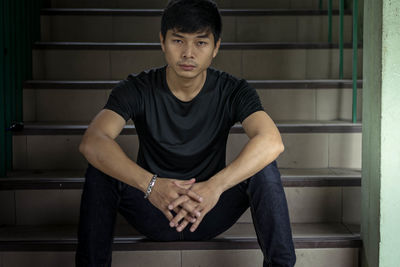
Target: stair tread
pixel 73 127
pixel 320 234
pixel 259 84
pixel 285 173
pixel 74 179
pixel 158 12
pixel 157 46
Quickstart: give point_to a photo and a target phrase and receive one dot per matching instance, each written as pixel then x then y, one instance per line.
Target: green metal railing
pixel 19 28
pixel 355 58
pixel 341 41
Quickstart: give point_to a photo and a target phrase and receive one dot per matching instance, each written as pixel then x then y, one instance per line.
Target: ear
pixel 162 42
pixel 216 49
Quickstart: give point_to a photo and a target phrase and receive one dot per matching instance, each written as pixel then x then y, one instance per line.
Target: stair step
pixel 251 61
pixel 157 46
pixel 328 145
pixel 279 4
pixel 51 128
pixel 258 84
pixel 143 25
pixel 158 12
pixel 64 179
pixel 239 236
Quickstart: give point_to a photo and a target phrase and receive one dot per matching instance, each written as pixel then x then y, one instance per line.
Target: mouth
pixel 187 67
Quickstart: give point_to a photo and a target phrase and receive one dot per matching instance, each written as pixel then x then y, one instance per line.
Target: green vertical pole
pixel 29 37
pixel 355 58
pixel 19 59
pixel 341 15
pixel 320 5
pixel 2 95
pixel 38 4
pixel 13 82
pixel 330 21
pixel 7 80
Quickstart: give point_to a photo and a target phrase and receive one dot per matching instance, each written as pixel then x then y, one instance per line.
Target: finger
pixel 190 181
pixel 196 223
pixel 190 208
pixel 194 195
pixel 175 221
pixel 182 226
pixel 169 215
pixel 188 217
pixel 184 184
pixel 178 202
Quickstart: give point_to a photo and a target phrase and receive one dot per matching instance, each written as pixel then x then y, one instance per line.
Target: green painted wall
pixel 381 134
pixel 390 137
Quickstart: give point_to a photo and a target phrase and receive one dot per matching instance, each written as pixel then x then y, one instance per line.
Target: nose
pixel 188 51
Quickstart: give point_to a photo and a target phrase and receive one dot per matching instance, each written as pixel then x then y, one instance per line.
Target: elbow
pixel 278 148
pixel 83 148
pixel 281 148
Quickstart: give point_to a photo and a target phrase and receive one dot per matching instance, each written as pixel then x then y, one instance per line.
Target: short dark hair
pixel 190 16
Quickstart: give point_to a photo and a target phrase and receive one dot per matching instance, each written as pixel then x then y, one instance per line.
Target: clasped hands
pixel 189 200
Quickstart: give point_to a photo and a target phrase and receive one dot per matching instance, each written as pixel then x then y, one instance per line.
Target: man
pixel 180 187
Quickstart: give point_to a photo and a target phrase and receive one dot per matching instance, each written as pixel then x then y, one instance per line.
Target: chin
pixel 187 74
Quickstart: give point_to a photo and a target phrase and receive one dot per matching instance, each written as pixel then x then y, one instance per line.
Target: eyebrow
pixel 198 36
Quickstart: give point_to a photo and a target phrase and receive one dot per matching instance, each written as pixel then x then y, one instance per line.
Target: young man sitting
pixel 180 187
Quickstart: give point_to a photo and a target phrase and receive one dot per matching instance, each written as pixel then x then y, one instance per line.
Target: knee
pixel 269 174
pixel 96 176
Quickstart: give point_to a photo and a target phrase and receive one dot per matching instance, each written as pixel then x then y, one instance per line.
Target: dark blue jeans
pixel 103 196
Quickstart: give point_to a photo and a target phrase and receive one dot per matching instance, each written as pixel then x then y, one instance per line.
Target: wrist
pixel 150 186
pixel 144 183
pixel 215 185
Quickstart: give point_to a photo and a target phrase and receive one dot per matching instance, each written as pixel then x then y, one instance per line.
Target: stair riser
pixel 310 4
pixel 330 257
pixel 86 28
pixel 260 64
pixel 306 205
pixel 317 150
pixel 281 104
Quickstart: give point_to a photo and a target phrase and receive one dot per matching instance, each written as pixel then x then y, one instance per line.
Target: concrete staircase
pixel 279 46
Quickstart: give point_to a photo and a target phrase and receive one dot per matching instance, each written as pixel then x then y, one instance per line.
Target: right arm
pixel 100 149
pixel 103 152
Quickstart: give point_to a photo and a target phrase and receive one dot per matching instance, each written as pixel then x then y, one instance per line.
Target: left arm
pixel 264 146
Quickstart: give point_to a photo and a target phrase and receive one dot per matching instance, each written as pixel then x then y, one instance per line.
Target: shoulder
pixel 146 77
pixel 227 80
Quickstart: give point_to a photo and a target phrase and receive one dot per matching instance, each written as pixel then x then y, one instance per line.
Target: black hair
pixel 190 16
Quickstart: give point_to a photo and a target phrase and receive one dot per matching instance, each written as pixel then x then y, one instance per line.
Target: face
pixel 189 54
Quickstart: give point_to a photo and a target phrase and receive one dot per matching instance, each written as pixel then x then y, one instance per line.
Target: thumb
pixel 184 184
pixel 189 181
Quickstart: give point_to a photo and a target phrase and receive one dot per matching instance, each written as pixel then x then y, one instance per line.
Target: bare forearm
pixel 258 153
pixel 106 155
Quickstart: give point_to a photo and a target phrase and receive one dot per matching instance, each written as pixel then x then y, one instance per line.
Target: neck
pixel 186 88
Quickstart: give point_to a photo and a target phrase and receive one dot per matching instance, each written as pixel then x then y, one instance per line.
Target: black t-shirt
pixel 179 139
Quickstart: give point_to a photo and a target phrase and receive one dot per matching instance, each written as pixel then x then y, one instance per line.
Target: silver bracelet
pixel 151 184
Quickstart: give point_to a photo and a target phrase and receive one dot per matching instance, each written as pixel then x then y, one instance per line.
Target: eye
pixel 177 41
pixel 201 43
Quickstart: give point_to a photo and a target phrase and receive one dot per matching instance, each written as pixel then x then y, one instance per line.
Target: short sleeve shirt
pixel 183 139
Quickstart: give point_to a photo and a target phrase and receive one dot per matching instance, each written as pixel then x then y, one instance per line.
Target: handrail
pixel 19 29
pixel 355 51
pixel 330 21
pixel 341 13
pixel 355 59
pixel 2 96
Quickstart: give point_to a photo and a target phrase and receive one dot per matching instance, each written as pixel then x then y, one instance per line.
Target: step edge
pixel 258 84
pixel 158 12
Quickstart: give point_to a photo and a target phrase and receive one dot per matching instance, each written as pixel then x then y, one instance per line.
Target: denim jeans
pixel 103 196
